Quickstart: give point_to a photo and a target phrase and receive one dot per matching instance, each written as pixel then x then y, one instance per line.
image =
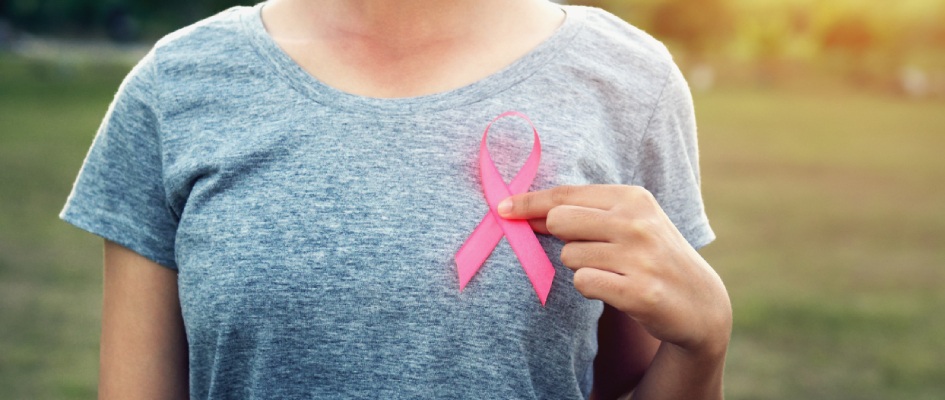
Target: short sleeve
pixel 669 161
pixel 119 193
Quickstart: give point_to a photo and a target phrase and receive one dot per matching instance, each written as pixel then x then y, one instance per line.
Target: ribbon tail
pixel 531 255
pixel 477 248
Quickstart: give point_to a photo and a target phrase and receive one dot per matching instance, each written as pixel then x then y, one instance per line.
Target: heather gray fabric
pixel 313 231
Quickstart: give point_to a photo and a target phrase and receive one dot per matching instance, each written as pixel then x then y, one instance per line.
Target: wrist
pixel 704 352
pixel 716 319
pixel 713 345
pixel 710 350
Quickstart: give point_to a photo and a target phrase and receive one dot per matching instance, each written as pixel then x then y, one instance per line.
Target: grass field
pixel 831 215
pixel 830 211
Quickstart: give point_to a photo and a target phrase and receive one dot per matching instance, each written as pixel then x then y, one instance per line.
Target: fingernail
pixel 505 207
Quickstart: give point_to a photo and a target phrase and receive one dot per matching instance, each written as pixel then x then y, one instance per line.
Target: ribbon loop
pixel 492 227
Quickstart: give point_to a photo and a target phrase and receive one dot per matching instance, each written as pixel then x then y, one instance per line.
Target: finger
pixel 537 204
pixel 597 255
pixel 538 225
pixel 580 223
pixel 639 297
pixel 609 287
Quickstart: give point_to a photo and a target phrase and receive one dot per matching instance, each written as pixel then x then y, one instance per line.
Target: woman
pixel 283 190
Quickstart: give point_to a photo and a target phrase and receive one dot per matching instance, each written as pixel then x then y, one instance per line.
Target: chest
pixel 290 208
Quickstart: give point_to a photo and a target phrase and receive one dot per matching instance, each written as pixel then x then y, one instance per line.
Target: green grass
pixel 50 274
pixel 830 211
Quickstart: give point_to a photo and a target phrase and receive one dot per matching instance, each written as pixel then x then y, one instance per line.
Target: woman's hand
pixel 625 251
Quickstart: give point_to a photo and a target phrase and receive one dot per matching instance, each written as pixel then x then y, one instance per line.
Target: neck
pixel 393 20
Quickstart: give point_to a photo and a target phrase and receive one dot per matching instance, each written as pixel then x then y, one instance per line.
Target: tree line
pixel 119 20
pixel 859 33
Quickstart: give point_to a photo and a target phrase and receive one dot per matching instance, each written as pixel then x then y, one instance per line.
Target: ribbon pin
pixel 518 233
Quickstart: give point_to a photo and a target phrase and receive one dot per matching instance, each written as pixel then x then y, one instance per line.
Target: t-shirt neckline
pixel 511 75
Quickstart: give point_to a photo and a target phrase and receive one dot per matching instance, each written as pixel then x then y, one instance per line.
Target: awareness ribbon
pixel 518 233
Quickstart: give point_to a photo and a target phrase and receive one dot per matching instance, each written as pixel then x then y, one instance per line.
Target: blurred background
pixel 822 128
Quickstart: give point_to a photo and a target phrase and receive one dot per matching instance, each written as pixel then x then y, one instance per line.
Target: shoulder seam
pixel 152 103
pixel 667 75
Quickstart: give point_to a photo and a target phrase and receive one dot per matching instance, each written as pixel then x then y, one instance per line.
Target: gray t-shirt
pixel 314 231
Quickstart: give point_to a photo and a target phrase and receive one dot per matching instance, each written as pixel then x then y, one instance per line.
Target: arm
pixel 143 345
pixel 680 373
pixel 625 251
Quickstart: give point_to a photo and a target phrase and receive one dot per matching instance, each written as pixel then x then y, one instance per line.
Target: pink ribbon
pixel 518 233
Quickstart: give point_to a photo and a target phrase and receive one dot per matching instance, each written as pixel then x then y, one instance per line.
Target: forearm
pixel 677 373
